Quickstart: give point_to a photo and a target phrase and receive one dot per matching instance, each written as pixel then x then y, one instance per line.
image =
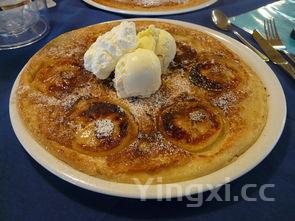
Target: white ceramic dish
pixel 149 12
pixel 247 161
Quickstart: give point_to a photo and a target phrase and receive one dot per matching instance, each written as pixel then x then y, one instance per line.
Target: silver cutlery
pixel 274 39
pixel 273 54
pixel 223 22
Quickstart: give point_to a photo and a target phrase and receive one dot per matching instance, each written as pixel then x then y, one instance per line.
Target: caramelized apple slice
pixel 214 72
pixel 60 78
pixel 191 125
pixel 103 127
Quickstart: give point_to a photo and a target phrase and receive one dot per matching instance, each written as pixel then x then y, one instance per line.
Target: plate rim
pixel 149 13
pixel 215 179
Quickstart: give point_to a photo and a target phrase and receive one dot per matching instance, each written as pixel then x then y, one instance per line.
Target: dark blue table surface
pixel 29 192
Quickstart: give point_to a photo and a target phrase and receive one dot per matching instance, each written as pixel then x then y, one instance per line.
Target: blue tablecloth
pixel 29 192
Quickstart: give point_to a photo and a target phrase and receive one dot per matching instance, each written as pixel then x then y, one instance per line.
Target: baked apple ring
pixel 103 127
pixel 214 72
pixel 191 125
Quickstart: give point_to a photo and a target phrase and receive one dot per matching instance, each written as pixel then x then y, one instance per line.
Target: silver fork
pixel 273 38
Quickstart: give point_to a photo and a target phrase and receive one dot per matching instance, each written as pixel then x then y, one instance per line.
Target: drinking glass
pixel 22 22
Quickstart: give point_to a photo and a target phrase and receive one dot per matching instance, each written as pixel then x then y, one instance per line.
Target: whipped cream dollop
pixel 103 55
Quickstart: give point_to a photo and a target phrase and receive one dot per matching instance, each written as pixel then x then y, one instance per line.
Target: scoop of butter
pixel 103 55
pixel 148 38
pixel 137 74
pixel 159 41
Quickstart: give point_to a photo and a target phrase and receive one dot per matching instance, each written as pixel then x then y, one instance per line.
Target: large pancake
pixel 143 5
pixel 210 109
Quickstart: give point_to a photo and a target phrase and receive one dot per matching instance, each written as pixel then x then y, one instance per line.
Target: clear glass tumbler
pixel 22 22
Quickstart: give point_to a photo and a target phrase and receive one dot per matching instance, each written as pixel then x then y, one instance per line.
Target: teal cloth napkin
pixel 282 11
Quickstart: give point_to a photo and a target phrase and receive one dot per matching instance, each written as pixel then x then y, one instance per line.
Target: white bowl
pixel 247 161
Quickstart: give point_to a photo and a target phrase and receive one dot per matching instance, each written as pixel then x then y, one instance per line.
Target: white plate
pixel 150 12
pixel 247 161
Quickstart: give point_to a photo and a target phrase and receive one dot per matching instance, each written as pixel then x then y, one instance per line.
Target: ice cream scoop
pixel 103 55
pixel 137 74
pixel 165 48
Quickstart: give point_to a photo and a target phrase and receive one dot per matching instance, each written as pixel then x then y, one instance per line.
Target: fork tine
pixel 272 28
pixel 269 29
pixel 275 30
pixel 265 29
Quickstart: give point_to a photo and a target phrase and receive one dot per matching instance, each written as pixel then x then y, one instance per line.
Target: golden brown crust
pixel 137 5
pixel 210 108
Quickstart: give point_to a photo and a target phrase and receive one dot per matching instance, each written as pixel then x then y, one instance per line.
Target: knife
pixel 273 55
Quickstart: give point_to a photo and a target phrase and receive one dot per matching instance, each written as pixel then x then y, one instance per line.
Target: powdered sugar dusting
pixel 142 106
pixel 197 116
pixel 225 101
pixel 163 144
pixel 67 102
pixel 22 89
pixel 104 128
pixel 43 99
pixel 156 145
pixel 70 100
pixel 180 84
